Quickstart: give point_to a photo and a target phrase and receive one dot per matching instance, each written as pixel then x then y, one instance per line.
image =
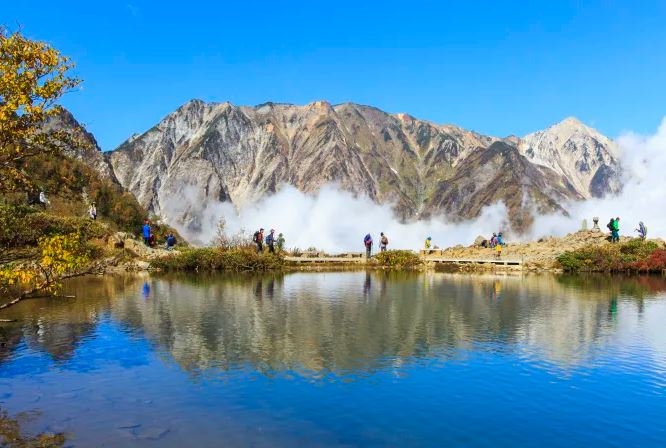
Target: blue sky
pixel 498 67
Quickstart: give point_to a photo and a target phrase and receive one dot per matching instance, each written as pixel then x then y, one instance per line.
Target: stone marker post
pixel 596 228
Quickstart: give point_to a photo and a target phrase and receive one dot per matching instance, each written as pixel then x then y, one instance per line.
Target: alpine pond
pixel 341 359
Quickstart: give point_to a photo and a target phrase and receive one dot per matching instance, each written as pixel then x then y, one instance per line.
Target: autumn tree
pixel 33 77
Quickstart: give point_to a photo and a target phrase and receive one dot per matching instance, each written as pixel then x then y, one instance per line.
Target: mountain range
pixel 204 153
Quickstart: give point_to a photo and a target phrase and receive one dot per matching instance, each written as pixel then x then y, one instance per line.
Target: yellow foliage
pixel 60 255
pixel 33 76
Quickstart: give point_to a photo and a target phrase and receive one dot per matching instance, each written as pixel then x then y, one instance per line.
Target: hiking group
pixel 271 241
pixel 150 240
pixel 614 226
pixel 367 242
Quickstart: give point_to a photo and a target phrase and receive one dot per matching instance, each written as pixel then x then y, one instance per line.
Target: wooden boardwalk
pixel 437 256
pixel 324 259
pixel 434 258
pixel 495 261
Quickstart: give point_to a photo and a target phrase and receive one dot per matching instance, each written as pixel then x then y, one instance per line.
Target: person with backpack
pixel 367 241
pixel 642 230
pixel 383 242
pixel 616 230
pixel 610 226
pixel 258 239
pixel 270 241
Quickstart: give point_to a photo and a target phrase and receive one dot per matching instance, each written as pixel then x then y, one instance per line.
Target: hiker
pixel 642 230
pixel 270 241
pixel 383 242
pixel 616 230
pixel 493 240
pixel 146 232
pixel 92 211
pixel 280 242
pixel 611 227
pixel 43 200
pixel 367 241
pixel 258 239
pixel 498 250
pixel 170 241
pixel 500 240
pixel 428 242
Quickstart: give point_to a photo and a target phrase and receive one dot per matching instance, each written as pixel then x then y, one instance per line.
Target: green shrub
pixel 23 226
pixel 216 259
pixel 404 259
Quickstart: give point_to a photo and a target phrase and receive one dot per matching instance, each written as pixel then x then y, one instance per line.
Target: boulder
pixel 137 248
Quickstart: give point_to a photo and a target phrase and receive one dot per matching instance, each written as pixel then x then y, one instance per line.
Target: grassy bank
pixel 209 259
pixel 239 259
pixel 633 256
pixel 398 259
pixel 23 226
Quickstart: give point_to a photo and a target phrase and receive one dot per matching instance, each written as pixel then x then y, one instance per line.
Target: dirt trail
pixel 541 254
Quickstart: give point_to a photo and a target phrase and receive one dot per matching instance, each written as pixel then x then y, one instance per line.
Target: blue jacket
pixel 146 230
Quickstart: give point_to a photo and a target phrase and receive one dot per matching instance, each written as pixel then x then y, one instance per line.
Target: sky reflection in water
pixel 343 359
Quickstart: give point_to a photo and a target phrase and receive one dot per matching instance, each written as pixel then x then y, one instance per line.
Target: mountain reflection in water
pixel 319 323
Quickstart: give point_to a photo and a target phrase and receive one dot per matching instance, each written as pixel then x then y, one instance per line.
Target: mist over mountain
pixel 206 153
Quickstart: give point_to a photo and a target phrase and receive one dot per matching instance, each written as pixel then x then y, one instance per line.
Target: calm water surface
pixel 342 359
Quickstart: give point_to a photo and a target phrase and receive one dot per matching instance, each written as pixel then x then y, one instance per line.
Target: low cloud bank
pixel 336 221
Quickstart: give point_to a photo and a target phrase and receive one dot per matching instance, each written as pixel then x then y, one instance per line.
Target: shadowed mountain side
pixel 93 156
pixel 501 173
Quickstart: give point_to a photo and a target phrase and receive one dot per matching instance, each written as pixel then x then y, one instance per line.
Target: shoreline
pixel 543 255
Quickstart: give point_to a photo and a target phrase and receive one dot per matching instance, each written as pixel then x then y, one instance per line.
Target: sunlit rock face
pixel 586 158
pixel 205 153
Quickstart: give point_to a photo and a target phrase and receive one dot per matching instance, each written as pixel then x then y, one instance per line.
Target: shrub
pixel 216 259
pixel 23 226
pixel 237 241
pixel 405 259
pixel 635 255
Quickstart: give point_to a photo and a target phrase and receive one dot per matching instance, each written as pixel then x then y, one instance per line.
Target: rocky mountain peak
pixel 577 152
pixel 204 153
